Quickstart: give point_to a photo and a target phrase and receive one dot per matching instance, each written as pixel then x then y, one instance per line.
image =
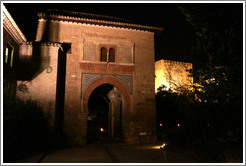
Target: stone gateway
pixel 93 76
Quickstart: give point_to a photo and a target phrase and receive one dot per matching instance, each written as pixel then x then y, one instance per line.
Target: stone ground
pixel 115 153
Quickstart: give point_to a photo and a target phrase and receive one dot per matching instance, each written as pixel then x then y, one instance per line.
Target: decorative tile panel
pixel 87 79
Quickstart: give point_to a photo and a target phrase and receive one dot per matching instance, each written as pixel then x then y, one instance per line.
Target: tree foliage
pixel 218 57
pixel 218 52
pixel 213 111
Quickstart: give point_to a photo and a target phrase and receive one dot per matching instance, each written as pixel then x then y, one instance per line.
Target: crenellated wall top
pixel 171 62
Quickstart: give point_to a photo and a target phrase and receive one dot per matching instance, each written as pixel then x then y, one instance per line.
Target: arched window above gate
pixel 111 55
pixel 107 53
pixel 103 57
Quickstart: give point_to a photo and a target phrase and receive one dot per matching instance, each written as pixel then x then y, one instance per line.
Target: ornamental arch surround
pixel 106 80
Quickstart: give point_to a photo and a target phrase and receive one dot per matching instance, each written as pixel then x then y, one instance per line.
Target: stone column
pixel 115 99
pixel 60 92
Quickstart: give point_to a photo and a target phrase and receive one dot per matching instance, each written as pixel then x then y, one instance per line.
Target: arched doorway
pixel 104 121
pixel 125 104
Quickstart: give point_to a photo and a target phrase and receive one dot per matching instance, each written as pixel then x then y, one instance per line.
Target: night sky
pixel 173 43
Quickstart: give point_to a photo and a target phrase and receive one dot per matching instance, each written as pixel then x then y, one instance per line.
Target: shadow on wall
pixel 33 60
pixel 48 31
pixel 34 57
pixel 26 131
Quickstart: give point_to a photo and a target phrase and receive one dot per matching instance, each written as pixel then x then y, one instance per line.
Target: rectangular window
pixel 9 55
pixel 6 55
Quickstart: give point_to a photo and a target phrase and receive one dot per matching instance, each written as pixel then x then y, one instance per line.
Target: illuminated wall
pixel 172 74
pixel 132 72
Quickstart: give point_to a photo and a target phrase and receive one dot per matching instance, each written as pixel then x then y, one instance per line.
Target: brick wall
pixel 42 87
pixel 137 61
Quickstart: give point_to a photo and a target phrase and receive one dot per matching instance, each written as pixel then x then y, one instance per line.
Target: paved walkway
pixel 114 153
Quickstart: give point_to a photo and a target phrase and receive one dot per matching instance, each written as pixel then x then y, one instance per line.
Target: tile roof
pixel 86 15
pixel 80 17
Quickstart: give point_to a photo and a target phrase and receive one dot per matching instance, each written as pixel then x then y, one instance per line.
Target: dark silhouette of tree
pixel 218 59
pixel 211 115
pixel 26 131
pixel 218 52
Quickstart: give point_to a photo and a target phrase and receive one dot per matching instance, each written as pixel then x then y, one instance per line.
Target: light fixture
pixel 163 146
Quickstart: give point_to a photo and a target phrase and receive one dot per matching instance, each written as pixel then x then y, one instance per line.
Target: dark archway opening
pixel 105 113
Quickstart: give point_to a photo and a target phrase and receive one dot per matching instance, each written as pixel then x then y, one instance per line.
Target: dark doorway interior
pixel 104 114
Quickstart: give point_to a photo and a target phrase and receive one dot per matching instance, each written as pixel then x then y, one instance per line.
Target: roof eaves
pixel 12 27
pixel 99 22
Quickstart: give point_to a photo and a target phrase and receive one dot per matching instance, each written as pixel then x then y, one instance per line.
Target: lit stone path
pixel 115 153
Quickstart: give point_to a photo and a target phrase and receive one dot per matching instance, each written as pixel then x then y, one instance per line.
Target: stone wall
pixel 172 74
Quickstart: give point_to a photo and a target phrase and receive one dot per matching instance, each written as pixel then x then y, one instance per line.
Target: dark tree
pixel 219 58
pixel 212 114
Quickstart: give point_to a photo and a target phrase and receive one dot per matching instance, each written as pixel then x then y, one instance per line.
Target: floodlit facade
pixel 172 74
pixel 93 76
